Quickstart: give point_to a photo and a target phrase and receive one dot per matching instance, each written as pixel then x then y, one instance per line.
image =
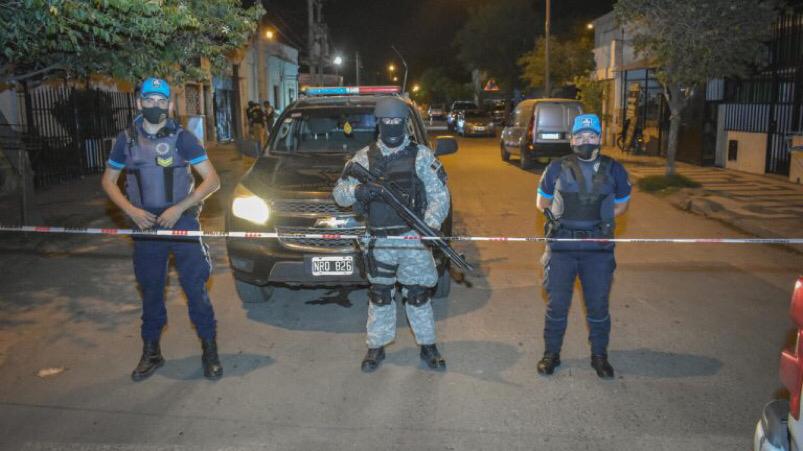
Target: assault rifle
pixel 392 197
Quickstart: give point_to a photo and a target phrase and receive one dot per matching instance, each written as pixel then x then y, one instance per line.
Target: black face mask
pixel 154 114
pixel 585 151
pixel 392 135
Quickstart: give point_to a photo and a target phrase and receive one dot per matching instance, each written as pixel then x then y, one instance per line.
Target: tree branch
pixel 20 77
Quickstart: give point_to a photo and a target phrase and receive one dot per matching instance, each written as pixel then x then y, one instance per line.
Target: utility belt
pixel 383 232
pixel 599 232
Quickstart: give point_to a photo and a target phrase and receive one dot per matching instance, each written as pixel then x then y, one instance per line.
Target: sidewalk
pixel 765 206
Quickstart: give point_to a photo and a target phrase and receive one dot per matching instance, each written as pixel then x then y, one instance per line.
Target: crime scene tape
pixel 336 236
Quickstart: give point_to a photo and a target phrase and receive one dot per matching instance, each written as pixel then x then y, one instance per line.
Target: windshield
pixel 464 106
pixel 325 130
pixel 475 115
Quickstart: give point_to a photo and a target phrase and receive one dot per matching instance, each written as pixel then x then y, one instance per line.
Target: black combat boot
pixel 433 359
pixel 210 359
pixel 150 361
pixel 372 359
pixel 548 363
pixel 600 363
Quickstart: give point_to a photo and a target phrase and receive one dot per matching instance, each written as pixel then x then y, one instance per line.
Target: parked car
pixel 475 123
pixel 437 112
pixel 780 427
pixel 497 110
pixel 289 190
pixel 457 107
pixel 539 128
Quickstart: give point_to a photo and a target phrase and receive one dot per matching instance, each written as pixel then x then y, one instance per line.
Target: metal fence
pixel 68 132
pixel 771 102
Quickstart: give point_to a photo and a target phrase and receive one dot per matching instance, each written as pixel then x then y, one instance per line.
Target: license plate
pixel 550 135
pixel 479 129
pixel 332 266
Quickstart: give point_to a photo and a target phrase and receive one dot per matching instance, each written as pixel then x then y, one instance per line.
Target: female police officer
pixel 157 155
pixel 584 192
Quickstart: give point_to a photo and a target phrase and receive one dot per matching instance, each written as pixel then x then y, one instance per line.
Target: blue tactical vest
pixel 584 203
pixel 157 177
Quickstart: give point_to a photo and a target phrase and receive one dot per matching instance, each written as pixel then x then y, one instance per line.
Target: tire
pixel 444 285
pixel 525 161
pixel 505 154
pixel 253 294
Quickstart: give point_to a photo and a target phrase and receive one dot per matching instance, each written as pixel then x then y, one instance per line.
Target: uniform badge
pixel 164 162
pixel 162 149
pixel 347 128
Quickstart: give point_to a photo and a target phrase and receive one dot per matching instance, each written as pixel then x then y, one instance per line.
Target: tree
pixel 592 93
pixel 438 87
pixel 495 35
pixel 575 59
pixel 125 39
pixel 693 41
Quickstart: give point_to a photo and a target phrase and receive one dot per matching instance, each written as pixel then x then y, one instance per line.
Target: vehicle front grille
pixel 315 244
pixel 308 208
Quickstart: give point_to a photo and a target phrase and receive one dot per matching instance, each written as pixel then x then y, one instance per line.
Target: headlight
pixel 249 206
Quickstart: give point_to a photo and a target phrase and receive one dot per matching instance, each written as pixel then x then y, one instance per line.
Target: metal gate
pixel 224 108
pixel 68 132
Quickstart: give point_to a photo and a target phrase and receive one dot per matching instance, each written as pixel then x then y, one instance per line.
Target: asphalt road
pixel 696 337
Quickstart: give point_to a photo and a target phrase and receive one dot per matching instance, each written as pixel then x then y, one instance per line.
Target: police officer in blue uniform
pixel 584 192
pixel 158 157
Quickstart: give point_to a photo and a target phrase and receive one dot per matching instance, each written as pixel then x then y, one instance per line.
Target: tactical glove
pixel 366 192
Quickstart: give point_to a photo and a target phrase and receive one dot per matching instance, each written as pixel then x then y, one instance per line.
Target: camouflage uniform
pixel 410 263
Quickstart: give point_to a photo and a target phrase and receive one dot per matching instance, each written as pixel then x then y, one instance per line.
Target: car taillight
pixel 791 369
pixel 531 130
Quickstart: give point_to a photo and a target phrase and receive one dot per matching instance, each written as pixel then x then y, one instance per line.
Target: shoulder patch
pixel 440 171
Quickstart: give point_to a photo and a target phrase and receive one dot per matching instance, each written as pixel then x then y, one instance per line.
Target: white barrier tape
pixel 335 236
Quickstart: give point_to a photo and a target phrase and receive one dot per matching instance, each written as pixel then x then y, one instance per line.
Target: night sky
pixel 422 30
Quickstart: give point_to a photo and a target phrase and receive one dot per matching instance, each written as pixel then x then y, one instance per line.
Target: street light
pixel 590 26
pixel 416 88
pixel 270 34
pixel 395 78
pixel 338 60
pixel 391 67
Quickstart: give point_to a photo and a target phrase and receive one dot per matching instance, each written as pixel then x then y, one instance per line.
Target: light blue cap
pixel 587 122
pixel 155 86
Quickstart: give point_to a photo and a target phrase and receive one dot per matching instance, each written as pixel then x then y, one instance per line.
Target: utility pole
pixel 357 67
pixel 547 84
pixel 311 35
pixel 321 39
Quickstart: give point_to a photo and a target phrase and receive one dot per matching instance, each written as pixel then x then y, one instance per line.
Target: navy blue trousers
pixel 595 270
pixel 192 261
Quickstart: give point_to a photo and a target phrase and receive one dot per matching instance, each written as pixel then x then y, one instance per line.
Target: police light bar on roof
pixel 350 90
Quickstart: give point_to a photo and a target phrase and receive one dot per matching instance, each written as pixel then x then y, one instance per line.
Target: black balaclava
pixel 392 135
pixel 154 114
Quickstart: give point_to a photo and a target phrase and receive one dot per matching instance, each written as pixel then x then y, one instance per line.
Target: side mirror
pixel 445 145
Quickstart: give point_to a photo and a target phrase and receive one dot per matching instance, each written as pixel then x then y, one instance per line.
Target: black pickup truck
pixel 289 190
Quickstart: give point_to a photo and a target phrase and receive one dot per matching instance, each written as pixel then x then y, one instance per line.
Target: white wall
pixel 751 154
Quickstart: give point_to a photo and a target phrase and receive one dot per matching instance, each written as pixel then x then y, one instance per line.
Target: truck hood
pixel 298 175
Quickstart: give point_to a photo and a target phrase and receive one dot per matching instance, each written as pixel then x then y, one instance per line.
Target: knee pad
pixel 380 294
pixel 418 295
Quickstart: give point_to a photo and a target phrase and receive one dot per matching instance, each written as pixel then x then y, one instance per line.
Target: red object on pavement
pixel 791 370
